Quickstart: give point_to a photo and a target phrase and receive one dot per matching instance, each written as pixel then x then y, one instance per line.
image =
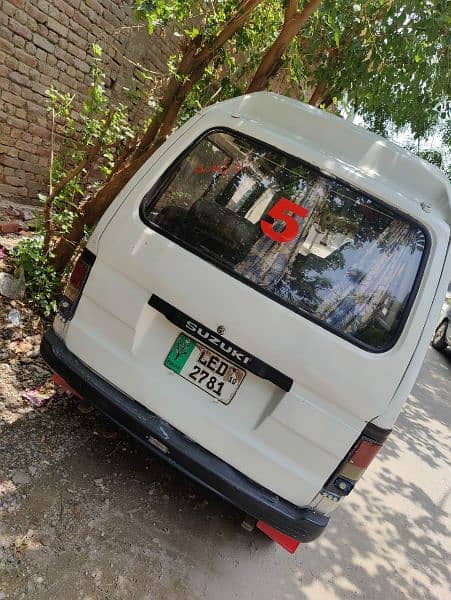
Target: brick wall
pixel 48 42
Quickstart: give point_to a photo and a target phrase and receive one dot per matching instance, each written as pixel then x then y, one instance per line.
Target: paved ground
pixel 89 514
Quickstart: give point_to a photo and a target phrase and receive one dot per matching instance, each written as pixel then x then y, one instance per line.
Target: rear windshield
pixel 312 243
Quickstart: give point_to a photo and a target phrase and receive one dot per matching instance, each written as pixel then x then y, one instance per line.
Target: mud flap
pixel 287 542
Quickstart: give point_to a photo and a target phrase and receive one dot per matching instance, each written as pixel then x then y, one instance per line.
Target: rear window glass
pixel 310 242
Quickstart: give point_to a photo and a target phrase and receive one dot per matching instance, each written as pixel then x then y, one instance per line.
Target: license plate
pixel 205 369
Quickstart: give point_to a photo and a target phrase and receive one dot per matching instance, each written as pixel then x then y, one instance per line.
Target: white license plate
pixel 204 368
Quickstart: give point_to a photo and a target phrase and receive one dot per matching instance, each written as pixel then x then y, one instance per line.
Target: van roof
pixel 347 150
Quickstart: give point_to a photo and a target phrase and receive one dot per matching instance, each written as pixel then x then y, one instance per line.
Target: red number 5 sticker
pixel 279 213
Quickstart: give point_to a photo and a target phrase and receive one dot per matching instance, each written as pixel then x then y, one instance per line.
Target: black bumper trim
pixel 301 523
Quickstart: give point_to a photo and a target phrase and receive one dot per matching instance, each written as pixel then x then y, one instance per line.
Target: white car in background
pixel 442 335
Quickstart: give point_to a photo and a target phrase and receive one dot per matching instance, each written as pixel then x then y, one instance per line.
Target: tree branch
pixel 196 57
pixel 91 153
pixel 272 60
pixel 49 200
pixel 291 10
pixel 315 98
pixel 238 19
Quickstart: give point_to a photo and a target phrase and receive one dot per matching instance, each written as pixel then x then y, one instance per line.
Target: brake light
pixel 343 480
pixel 352 468
pixel 76 280
pixel 76 283
pixel 364 453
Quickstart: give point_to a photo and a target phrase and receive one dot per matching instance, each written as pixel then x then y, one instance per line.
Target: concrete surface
pixel 89 514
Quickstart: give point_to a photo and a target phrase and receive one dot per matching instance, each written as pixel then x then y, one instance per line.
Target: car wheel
pixel 439 339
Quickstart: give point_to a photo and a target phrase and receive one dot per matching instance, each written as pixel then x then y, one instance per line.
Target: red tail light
pixel 76 283
pixel 364 453
pixel 352 468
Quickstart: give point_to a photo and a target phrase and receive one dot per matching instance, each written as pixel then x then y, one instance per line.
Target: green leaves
pixel 189 18
pixel 391 62
pixel 42 283
pixel 90 143
pixel 97 51
pixel 386 59
pixel 192 33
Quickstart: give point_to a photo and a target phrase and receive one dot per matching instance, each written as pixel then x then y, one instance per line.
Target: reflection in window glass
pixel 351 263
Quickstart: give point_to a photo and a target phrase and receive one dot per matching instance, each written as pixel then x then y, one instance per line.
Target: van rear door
pixel 288 287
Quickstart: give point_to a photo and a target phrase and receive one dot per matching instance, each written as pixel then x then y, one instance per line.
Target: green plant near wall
pixel 42 282
pixel 83 153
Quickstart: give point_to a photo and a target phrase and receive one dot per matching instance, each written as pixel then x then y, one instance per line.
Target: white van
pixel 257 302
pixel 442 335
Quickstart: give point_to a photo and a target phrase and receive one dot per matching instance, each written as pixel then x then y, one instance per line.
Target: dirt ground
pixel 86 513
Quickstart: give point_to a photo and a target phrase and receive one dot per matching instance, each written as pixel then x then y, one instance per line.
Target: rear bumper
pixel 301 523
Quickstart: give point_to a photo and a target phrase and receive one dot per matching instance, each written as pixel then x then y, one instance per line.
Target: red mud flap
pixel 58 380
pixel 287 542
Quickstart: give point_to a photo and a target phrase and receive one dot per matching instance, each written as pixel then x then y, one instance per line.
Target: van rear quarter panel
pixel 288 442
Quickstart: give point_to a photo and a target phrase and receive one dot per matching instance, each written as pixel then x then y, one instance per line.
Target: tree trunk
pixel 48 222
pixel 196 58
pixel 322 94
pixel 270 64
pixel 315 99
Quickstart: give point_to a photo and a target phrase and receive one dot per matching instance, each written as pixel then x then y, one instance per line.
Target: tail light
pixel 76 283
pixel 343 480
pixel 364 453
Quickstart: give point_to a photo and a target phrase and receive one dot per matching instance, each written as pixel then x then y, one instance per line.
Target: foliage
pixel 403 77
pixel 90 141
pixel 433 156
pixel 387 60
pixel 190 18
pixel 98 125
pixel 43 284
pixel 435 149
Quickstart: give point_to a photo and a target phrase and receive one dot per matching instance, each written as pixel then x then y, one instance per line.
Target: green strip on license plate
pixel 179 354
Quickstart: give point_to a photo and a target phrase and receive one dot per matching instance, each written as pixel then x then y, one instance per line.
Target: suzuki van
pixel 256 304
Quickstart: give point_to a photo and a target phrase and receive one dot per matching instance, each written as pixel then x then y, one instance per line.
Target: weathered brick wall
pixel 48 42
